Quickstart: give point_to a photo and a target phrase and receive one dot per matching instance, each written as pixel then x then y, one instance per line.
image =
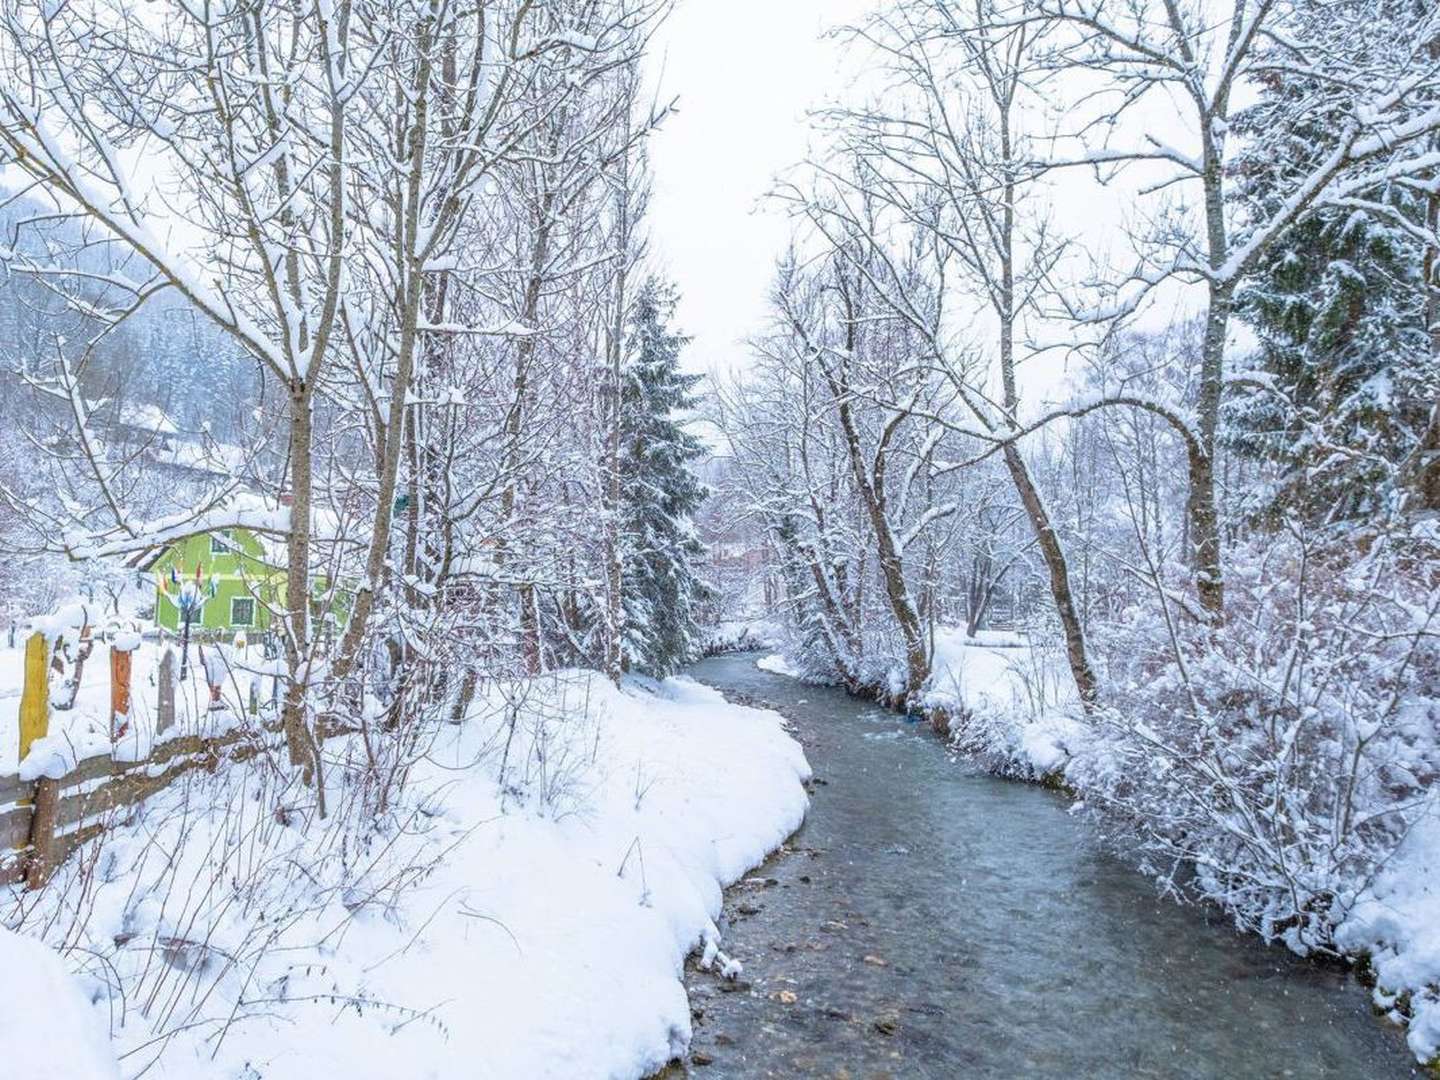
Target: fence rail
pixel 43 821
pixel 88 796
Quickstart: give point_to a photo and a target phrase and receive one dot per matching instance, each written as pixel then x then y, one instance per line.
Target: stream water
pixel 931 921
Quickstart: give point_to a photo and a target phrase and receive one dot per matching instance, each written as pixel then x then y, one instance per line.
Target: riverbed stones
pixel 887 1024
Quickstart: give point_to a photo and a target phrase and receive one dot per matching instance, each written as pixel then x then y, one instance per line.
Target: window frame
pixel 242 600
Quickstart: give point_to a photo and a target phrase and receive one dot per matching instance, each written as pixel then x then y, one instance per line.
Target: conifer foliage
pixel 660 493
pixel 1339 302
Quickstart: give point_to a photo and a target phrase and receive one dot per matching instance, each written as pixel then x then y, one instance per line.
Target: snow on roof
pixel 146 418
pixel 222 459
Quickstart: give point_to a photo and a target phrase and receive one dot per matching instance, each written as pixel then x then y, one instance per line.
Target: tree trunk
pixel 300 741
pixel 1086 684
pixel 892 567
pixel 1204 512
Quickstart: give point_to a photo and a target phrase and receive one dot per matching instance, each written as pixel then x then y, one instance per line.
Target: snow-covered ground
pixel 48 1026
pixel 1007 700
pixel 737 635
pixel 1397 922
pixel 776 664
pixel 526 913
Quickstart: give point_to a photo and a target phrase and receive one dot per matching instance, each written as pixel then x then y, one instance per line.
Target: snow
pixel 736 635
pixel 1008 702
pixel 1397 923
pixel 778 665
pixel 145 417
pixel 84 731
pixel 559 872
pixel 48 1027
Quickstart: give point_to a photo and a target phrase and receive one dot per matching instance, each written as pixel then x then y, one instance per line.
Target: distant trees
pixel 950 161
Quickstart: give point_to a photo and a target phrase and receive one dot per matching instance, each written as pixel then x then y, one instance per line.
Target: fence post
pixel 165 715
pixel 35 698
pixel 34 726
pixel 119 688
pixel 42 832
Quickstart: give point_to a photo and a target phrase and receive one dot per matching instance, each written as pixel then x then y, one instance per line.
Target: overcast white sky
pixel 745 71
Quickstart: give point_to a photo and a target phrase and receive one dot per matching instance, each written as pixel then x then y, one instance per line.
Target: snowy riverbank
pixel 1008 707
pixel 527 913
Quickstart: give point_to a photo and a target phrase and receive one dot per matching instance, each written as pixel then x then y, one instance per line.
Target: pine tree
pixel 1338 307
pixel 660 493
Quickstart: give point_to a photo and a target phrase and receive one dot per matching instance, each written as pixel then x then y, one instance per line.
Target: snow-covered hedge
pixel 1277 764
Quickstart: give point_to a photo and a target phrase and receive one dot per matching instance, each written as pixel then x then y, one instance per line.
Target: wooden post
pixel 185 647
pixel 42 832
pixel 34 726
pixel 119 692
pixel 165 714
pixel 35 698
pixel 212 665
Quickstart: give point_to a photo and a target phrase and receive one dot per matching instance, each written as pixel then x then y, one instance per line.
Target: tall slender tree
pixel 660 493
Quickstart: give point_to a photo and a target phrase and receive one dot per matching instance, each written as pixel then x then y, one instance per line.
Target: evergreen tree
pixel 1338 305
pixel 660 493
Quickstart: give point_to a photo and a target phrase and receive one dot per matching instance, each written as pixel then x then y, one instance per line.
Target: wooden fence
pixel 43 821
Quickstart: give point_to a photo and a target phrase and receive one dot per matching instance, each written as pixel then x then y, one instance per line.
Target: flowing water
pixel 932 921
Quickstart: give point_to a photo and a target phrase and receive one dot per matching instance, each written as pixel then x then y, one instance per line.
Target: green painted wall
pixel 240 574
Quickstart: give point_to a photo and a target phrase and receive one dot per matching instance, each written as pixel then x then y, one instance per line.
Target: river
pixel 932 921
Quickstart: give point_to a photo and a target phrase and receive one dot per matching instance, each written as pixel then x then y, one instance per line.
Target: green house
pixel 237 584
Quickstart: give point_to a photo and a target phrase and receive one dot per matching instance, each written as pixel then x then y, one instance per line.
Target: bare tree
pixel 1168 54
pixel 325 159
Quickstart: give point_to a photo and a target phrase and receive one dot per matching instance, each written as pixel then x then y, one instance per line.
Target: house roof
pixel 146 417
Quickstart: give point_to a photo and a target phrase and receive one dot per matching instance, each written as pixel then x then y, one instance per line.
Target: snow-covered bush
pixel 1274 764
pixel 740 635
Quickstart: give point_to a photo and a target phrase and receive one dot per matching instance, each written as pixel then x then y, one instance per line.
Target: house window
pixel 242 611
pixel 219 543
